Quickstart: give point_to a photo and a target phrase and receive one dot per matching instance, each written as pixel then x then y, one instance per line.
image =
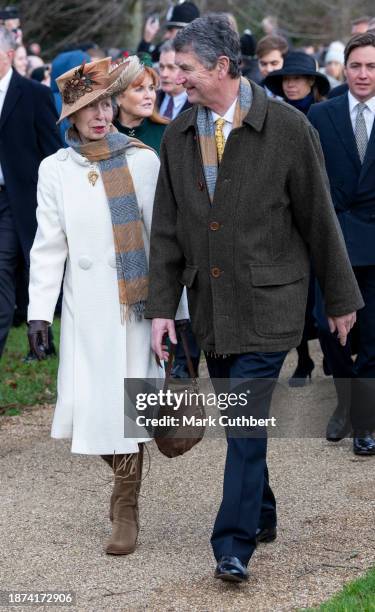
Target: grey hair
pixel 7 42
pixel 209 37
pixel 167 46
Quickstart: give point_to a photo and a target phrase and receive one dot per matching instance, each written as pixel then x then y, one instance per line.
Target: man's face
pixel 270 62
pixel 168 74
pixel 6 58
pixel 201 84
pixel 360 73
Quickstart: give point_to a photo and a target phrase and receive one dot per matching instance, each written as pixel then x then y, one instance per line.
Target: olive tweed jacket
pixel 245 259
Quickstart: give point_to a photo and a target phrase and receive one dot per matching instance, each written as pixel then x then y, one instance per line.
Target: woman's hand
pixel 38 338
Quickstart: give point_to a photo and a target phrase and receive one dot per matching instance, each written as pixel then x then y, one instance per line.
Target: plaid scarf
pixel 131 262
pixel 206 132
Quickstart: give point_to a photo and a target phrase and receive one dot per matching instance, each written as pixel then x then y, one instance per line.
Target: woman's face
pixel 334 69
pixel 297 87
pixel 138 101
pixel 20 60
pixel 93 122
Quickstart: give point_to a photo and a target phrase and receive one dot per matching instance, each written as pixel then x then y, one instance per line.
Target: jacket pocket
pixel 188 276
pixel 279 299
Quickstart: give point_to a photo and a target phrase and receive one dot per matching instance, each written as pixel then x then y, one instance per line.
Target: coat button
pixel 85 263
pixel 200 185
pixel 214 226
pixel 215 272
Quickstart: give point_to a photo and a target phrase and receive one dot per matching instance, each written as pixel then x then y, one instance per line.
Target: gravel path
pixel 54 522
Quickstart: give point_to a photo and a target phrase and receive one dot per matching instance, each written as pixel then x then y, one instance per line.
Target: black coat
pixel 28 134
pixel 352 184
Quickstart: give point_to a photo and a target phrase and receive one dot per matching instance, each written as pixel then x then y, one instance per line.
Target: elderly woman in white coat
pixel 94 213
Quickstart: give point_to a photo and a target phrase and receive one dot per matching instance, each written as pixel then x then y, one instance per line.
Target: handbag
pixel 176 439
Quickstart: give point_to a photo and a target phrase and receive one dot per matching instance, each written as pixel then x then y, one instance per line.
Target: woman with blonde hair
pixel 137 116
pixel 95 202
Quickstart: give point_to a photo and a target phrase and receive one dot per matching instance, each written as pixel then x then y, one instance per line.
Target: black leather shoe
pixel 363 443
pixel 338 425
pixel 267 534
pixel 231 569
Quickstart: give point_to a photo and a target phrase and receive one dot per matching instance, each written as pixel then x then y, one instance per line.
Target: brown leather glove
pixel 38 338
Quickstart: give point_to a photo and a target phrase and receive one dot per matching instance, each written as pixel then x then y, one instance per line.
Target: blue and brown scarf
pixel 131 261
pixel 206 131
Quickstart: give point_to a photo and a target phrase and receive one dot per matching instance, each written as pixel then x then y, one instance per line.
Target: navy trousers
pixel 248 501
pixel 10 253
pixel 355 376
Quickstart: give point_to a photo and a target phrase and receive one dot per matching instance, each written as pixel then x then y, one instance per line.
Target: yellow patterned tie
pixel 219 137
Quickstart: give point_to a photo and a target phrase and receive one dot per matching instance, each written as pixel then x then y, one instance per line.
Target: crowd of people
pixel 186 181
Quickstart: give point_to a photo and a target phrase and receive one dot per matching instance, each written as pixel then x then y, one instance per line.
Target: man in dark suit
pixel 346 128
pixel 28 133
pixel 172 98
pixel 241 244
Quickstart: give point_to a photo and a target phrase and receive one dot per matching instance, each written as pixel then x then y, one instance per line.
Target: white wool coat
pixel 96 351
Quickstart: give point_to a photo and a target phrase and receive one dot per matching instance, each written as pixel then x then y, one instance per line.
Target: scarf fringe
pixel 134 312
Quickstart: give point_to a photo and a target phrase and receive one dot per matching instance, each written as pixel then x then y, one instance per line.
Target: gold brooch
pixel 93 176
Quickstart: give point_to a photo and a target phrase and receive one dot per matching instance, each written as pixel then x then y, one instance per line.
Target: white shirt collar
pixel 229 115
pixel 181 97
pixel 353 103
pixel 4 82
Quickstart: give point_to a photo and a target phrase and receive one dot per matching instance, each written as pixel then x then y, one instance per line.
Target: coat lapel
pixel 340 117
pixel 11 98
pixel 370 154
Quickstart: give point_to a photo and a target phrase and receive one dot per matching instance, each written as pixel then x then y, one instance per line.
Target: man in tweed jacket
pixel 242 247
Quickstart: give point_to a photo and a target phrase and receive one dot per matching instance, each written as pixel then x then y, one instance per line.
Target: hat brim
pixel 274 81
pixel 114 87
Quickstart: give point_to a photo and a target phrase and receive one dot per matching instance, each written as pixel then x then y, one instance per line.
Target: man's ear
pixel 222 66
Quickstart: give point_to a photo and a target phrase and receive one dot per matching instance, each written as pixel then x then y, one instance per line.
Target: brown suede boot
pixel 124 500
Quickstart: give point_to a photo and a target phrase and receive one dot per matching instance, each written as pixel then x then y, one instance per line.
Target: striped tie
pixel 360 132
pixel 219 137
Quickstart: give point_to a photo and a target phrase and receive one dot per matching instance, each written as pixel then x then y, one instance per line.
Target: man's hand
pixel 342 325
pixel 161 328
pixel 151 28
pixel 38 338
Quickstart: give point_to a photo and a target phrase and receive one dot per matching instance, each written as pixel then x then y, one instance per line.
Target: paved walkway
pixel 54 522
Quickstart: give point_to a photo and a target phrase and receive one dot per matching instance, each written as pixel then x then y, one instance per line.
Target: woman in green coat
pixel 137 116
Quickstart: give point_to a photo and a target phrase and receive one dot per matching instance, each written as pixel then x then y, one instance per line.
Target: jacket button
pixel 214 226
pixel 200 185
pixel 85 263
pixel 215 272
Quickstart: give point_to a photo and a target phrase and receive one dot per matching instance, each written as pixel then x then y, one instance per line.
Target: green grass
pixel 26 384
pixel 357 596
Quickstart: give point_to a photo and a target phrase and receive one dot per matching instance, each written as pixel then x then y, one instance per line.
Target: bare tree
pixel 58 24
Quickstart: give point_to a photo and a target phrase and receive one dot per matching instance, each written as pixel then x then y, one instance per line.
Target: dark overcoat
pixel 245 259
pixel 28 134
pixel 352 183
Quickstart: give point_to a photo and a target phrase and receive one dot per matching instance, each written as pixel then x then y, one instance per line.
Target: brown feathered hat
pixel 82 85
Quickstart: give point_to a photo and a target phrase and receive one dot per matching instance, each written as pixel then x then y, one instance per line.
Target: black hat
pixel 248 44
pixel 9 12
pixel 296 63
pixel 182 14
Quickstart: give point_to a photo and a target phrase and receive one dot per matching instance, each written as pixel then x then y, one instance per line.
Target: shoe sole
pixel 364 453
pixel 266 540
pixel 230 578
